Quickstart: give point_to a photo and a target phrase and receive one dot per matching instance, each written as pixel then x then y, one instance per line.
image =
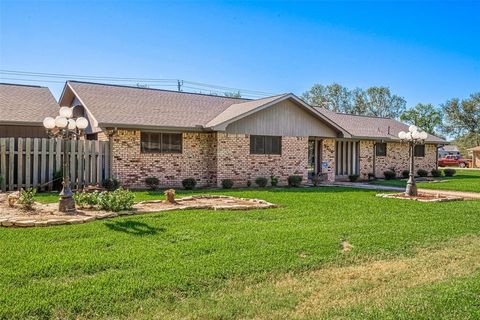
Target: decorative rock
pixel 7 223
pixel 25 223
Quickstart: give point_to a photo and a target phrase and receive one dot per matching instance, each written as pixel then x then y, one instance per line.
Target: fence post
pixel 3 163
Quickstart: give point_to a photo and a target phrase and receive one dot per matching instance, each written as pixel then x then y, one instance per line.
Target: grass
pixel 408 259
pixel 464 180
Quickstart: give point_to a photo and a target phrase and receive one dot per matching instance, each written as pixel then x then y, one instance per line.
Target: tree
pixel 424 116
pixel 334 97
pixel 379 102
pixel 462 118
pixel 233 94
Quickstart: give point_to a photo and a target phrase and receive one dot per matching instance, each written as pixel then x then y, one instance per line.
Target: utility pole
pixel 179 85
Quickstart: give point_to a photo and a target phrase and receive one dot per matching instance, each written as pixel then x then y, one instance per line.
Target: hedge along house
pixel 22 110
pixel 176 135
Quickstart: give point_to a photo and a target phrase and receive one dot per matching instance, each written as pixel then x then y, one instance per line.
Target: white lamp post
pixel 413 137
pixel 63 126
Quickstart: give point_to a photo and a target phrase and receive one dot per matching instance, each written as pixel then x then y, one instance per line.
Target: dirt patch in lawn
pixel 48 214
pixel 372 284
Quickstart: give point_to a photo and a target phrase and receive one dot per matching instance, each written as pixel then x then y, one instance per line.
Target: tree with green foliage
pixel 375 101
pixel 379 102
pixel 462 118
pixel 233 94
pixel 424 116
pixel 334 97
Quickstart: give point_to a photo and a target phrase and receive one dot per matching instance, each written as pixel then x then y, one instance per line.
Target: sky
pixel 425 51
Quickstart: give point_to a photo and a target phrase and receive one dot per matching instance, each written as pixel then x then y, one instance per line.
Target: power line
pixel 148 81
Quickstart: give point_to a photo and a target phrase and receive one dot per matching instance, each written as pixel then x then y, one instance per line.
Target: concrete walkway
pixel 466 195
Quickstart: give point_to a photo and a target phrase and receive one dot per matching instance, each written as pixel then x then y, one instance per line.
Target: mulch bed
pixel 48 215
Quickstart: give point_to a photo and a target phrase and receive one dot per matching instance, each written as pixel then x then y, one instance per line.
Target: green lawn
pixel 464 180
pixel 409 260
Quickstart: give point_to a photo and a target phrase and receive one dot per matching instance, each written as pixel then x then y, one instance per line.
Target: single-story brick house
pixel 22 110
pixel 176 135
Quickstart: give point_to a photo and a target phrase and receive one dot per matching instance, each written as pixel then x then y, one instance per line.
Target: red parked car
pixel 452 161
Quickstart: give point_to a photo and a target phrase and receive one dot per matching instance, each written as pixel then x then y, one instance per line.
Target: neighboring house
pixel 23 108
pixel 474 153
pixel 448 150
pixel 176 135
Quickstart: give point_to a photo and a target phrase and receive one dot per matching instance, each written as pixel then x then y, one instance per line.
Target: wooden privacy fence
pixel 32 162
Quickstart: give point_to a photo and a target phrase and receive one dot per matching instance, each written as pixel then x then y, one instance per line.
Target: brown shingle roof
pixel 131 106
pixel 371 127
pixel 22 104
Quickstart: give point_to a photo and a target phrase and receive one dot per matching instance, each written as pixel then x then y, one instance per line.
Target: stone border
pixel 182 204
pixel 430 198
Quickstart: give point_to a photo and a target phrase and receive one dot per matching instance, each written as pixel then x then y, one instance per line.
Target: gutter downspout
pixel 374 159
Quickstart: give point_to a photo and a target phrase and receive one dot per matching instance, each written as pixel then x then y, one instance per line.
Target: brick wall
pixel 235 161
pixel 328 155
pixel 131 167
pixel 397 157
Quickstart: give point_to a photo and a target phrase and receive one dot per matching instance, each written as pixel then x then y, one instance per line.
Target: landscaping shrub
pixel 189 183
pixel 111 184
pixel 152 183
pixel 449 172
pixel 86 199
pixel 273 181
pixel 117 200
pixel 261 182
pixel 389 174
pixel 249 183
pixel 371 176
pixel 436 173
pixel 405 174
pixel 294 181
pixel 422 173
pixel 57 180
pixel 27 198
pixel 316 179
pixel 227 183
pixel 353 177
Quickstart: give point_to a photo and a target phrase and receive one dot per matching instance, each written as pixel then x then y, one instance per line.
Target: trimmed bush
pixel 27 198
pixel 273 181
pixel 436 173
pixel 422 173
pixel 405 174
pixel 249 183
pixel 111 184
pixel 294 181
pixel 227 183
pixel 117 200
pixel 371 176
pixel 261 182
pixel 389 174
pixel 86 199
pixel 353 177
pixel 152 183
pixel 449 172
pixel 189 183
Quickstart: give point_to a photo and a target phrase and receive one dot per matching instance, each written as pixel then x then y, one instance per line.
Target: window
pixel 381 149
pixel 154 142
pixel 419 150
pixel 265 145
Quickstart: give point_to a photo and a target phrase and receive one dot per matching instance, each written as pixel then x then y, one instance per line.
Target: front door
pixel 314 157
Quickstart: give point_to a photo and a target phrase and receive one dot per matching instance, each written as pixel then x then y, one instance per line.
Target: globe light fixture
pixel 82 123
pixel 66 112
pixel 49 123
pixel 413 137
pixel 65 127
